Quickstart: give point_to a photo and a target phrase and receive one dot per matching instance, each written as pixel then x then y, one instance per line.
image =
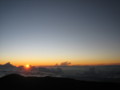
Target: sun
pixel 27 66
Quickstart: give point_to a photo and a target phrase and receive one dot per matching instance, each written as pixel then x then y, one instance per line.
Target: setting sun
pixel 27 66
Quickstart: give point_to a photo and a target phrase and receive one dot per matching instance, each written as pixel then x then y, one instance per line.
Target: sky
pixel 46 32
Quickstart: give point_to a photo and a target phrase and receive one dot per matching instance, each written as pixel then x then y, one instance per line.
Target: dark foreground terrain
pixel 17 82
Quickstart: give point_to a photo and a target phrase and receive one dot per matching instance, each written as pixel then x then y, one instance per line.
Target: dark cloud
pixel 66 63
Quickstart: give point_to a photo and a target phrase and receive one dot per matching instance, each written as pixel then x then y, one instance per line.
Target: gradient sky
pixel 46 32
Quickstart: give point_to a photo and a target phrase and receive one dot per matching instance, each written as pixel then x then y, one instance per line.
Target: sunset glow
pixel 44 32
pixel 27 66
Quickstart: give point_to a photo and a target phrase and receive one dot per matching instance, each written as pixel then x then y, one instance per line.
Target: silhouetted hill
pixel 18 82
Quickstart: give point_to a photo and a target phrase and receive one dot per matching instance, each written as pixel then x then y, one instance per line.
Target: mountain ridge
pixel 18 82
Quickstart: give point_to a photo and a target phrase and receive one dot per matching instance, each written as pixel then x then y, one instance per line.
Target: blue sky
pixel 53 31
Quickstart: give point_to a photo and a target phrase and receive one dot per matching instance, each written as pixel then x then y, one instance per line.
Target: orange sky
pixel 52 63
